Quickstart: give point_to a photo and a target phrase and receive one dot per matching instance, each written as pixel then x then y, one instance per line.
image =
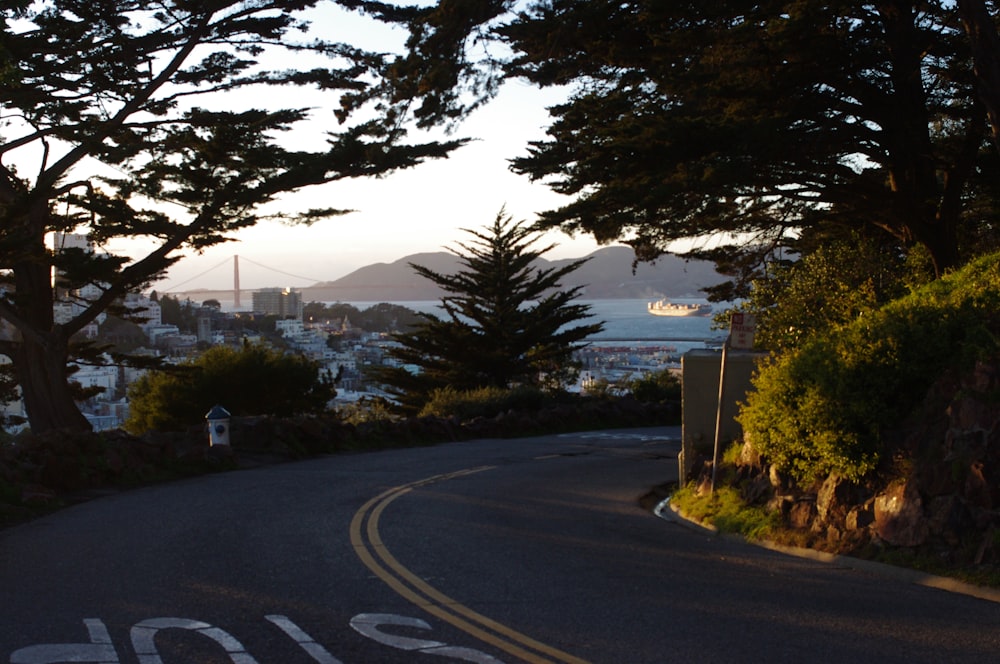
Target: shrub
pixel 482 402
pixel 252 380
pixel 823 407
pixel 368 409
pixel 656 387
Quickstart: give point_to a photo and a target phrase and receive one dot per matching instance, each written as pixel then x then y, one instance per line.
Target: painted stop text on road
pixel 99 648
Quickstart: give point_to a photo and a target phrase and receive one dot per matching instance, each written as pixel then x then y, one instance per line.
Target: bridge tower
pixel 236 283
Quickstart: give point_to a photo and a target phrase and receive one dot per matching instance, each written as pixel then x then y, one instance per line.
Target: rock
pixel 36 494
pixel 801 513
pixel 977 489
pixel 861 516
pixel 899 515
pixel 833 499
pixel 756 490
pixel 749 456
pixel 704 486
pixel 779 481
pixel 937 478
pixel 949 518
pixel 971 412
pixel 985 377
pixel 220 455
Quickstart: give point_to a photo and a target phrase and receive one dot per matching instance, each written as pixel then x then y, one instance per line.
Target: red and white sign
pixel 741 329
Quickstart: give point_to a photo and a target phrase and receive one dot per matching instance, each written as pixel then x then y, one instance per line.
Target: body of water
pixel 624 320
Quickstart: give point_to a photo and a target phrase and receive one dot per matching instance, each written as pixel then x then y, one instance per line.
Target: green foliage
pixel 600 388
pixel 482 402
pixel 252 380
pixel 823 407
pixel 656 386
pixel 367 410
pixel 676 129
pixel 507 322
pixel 381 317
pixel 122 335
pixel 831 285
pixel 174 312
pixel 726 510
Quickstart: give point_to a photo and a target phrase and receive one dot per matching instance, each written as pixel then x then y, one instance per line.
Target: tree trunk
pixel 913 171
pixel 48 401
pixel 985 42
pixel 944 253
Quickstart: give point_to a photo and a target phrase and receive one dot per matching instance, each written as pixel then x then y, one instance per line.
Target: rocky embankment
pixel 938 493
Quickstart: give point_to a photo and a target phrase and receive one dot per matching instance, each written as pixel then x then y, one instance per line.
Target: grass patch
pixel 725 510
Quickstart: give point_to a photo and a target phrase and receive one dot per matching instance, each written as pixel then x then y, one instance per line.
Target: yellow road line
pixel 417 591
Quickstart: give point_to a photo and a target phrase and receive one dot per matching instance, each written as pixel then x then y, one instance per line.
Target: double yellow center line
pixel 376 556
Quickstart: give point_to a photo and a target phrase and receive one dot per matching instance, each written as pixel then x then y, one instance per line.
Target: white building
pixel 145 311
pixel 91 376
pixel 159 330
pixel 290 327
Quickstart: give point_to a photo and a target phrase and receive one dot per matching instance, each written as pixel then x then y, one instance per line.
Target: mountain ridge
pixel 606 274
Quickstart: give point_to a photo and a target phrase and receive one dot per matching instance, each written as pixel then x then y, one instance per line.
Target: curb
pixel 666 511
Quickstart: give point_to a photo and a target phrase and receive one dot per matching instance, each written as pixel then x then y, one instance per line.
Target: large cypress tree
pixel 164 122
pixel 507 320
pixel 747 120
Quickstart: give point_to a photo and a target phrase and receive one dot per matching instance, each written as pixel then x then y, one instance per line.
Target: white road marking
pixel 100 650
pixel 315 650
pixel 144 632
pixel 368 625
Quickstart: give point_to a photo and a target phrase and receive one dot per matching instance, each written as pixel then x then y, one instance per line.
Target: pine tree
pixel 507 321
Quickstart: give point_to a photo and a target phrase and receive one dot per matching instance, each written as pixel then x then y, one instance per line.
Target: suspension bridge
pixel 236 294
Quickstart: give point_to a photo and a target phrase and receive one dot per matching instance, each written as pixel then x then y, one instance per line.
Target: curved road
pixel 532 550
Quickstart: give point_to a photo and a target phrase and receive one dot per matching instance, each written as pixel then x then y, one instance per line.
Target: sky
pixel 422 209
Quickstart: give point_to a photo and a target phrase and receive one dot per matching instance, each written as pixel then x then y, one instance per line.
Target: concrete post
pixel 700 392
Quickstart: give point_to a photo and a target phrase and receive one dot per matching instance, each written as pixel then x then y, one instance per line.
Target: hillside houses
pixel 338 346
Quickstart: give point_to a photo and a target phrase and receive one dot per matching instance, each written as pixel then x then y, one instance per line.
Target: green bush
pixel 824 407
pixel 656 387
pixel 251 380
pixel 482 402
pixel 366 410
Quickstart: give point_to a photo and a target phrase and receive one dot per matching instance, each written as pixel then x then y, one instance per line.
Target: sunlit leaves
pixel 827 405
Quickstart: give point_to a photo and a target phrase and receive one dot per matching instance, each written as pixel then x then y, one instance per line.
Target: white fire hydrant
pixel 218 426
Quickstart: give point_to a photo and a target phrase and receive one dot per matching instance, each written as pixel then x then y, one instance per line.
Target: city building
pixel 70 303
pixel 281 302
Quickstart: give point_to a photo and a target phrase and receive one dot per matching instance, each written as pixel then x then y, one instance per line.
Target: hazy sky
pixel 418 210
pixel 422 209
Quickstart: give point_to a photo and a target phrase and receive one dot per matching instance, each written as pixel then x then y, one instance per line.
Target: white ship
pixel 667 308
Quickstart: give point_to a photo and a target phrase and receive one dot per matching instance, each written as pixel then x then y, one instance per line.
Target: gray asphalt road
pixel 517 550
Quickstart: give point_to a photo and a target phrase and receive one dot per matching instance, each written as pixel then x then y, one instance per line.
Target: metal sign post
pixel 741 331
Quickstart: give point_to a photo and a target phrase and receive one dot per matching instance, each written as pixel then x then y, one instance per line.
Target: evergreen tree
pixel 507 321
pixel 742 119
pixel 113 125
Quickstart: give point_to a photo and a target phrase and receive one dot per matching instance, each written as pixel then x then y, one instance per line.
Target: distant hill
pixel 606 275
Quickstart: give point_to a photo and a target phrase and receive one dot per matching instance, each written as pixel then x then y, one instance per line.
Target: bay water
pixel 626 321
